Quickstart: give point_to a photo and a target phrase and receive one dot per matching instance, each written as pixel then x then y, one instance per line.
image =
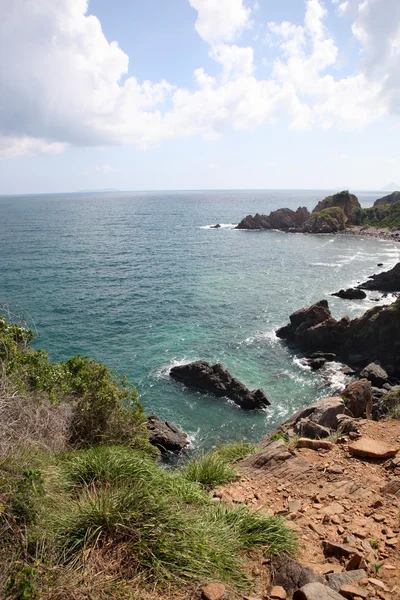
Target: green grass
pixel 391 402
pixel 235 451
pixel 209 470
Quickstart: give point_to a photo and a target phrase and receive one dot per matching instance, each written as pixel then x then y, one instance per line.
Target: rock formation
pixel 165 436
pixel 218 381
pixel 389 199
pixel 284 219
pixel 347 202
pixel 375 336
pixel 388 281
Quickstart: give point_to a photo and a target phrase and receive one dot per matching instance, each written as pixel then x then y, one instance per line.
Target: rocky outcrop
pixel 329 220
pixel 388 281
pixel 347 202
pixel 350 294
pixel 218 381
pixel 284 219
pixel 375 336
pixel 165 436
pixel 357 398
pixel 389 199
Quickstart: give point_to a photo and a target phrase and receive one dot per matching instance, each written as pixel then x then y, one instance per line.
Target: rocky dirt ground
pixel 335 497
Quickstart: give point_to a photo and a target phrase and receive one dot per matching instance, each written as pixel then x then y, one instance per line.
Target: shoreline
pixel 384 234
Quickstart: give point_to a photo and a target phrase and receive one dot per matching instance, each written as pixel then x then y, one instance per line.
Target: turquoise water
pixel 140 282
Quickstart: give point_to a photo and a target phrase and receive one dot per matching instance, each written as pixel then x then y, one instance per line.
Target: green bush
pixel 391 402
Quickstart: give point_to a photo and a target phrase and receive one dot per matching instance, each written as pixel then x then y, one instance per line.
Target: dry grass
pixel 31 422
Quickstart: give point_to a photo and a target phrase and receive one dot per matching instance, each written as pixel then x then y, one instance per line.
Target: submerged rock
pixel 350 294
pixel 218 381
pixel 166 436
pixel 217 226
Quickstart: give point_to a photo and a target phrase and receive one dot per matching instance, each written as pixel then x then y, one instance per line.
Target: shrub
pixel 391 403
pixel 209 470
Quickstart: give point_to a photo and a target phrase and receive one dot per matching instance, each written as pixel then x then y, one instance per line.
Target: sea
pixel 141 282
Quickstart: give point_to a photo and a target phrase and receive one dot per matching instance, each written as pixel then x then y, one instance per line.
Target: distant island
pixel 97 191
pixel 391 187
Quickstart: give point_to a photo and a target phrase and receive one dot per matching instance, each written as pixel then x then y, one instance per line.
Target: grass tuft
pixel 209 470
pixel 235 451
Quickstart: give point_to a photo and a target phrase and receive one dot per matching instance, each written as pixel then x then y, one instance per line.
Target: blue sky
pixel 198 94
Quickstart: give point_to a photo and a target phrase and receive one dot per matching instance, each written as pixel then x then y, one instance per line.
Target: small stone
pixel 333 509
pixel 392 542
pixel 294 506
pixel 316 591
pixel 378 518
pixel 338 550
pixel 389 567
pixel 378 583
pixel 354 562
pixel 370 448
pixel 314 444
pixel 278 593
pixel 349 591
pixel 213 591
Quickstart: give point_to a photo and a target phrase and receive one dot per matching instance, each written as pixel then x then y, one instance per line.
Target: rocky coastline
pixel 340 213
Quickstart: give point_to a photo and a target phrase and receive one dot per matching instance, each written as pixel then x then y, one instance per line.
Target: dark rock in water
pixel 217 226
pixel 357 397
pixel 375 336
pixel 350 294
pixel 309 429
pixel 316 363
pixel 218 381
pixel 375 374
pixel 388 281
pixel 165 436
pixel 379 265
pixel 389 199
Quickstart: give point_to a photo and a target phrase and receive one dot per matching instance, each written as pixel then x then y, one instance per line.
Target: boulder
pixel 350 294
pixel 316 363
pixel 326 411
pixel 165 436
pixel 369 448
pixel 336 580
pixel 357 398
pixel 291 575
pixel 338 550
pixel 314 444
pixel 375 374
pixel 218 381
pixel 316 591
pixel 307 429
pixel 388 281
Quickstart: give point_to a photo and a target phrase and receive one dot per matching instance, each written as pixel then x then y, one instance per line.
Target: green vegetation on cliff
pixel 347 202
pixel 328 220
pixel 381 215
pixel 85 510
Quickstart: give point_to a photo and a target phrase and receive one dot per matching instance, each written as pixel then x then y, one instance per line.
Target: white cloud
pixel 220 20
pixel 67 84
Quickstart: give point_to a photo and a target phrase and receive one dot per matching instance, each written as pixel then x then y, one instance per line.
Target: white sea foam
pixel 163 372
pixel 301 363
pixel 324 264
pixel 332 373
pixel 260 336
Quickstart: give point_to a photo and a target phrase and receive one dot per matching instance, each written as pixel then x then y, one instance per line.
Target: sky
pixel 199 94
